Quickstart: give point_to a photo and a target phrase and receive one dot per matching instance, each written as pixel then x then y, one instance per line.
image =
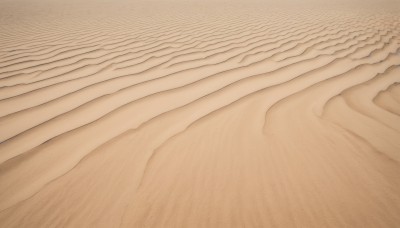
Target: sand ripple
pixel 199 114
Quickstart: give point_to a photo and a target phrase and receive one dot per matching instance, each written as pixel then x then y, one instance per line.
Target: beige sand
pixel 199 113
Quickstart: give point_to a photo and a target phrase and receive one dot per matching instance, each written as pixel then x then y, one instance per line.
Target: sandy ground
pixel 199 113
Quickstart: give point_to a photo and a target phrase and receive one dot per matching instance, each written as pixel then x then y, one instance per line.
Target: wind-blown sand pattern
pixel 199 113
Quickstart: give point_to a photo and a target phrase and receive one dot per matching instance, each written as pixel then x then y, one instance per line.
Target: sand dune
pixel 199 113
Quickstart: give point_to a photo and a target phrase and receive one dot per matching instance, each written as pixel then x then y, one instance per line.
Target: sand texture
pixel 173 113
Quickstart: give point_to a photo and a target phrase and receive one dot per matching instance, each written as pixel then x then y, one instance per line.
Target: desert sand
pixel 174 113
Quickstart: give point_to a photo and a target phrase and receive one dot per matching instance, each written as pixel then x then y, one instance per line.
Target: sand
pixel 192 113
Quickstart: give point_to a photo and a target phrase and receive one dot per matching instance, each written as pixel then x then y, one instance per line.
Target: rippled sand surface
pixel 199 113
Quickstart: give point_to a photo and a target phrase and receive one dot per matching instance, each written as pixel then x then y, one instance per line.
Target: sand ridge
pixel 199 114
